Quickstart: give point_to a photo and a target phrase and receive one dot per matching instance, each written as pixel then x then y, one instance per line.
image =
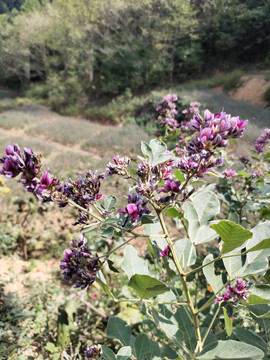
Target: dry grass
pixel 23 116
pixel 124 139
pixel 65 130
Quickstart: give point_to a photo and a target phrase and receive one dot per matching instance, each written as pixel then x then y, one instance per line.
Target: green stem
pixel 220 257
pixel 183 281
pixel 97 217
pixel 184 303
pixel 211 324
pixel 118 247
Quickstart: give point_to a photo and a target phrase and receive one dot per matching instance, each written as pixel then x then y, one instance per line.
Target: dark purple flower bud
pixel 79 264
pixel 92 352
pixel 219 161
pixel 83 192
pixel 171 186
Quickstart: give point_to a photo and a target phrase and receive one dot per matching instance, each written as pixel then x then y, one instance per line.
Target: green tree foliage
pixel 8 5
pixel 80 49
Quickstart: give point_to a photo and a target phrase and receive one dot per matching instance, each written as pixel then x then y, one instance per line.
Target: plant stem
pixel 97 217
pixel 184 303
pixel 211 324
pixel 118 247
pixel 183 281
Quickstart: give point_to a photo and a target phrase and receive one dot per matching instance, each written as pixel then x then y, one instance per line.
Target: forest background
pixel 65 62
pixel 73 53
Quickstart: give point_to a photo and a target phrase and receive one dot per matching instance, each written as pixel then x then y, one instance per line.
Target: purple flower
pixel 167 112
pixel 165 252
pixel 229 173
pixel 172 186
pixel 92 352
pixel 119 166
pixel 79 264
pixel 235 292
pixel 83 192
pixel 135 208
pixel 262 141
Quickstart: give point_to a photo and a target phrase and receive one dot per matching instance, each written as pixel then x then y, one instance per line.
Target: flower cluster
pixel 28 165
pixel 119 166
pixel 158 179
pixel 235 292
pixel 79 264
pixel 83 192
pixel 167 112
pixel 262 141
pixel 215 130
pixel 194 109
pixel 212 132
pixel 229 173
pixel 92 352
pixel 136 207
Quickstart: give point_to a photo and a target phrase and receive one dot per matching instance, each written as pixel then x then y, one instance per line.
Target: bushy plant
pixel 206 266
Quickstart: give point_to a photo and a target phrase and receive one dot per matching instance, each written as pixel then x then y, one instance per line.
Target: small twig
pixel 90 306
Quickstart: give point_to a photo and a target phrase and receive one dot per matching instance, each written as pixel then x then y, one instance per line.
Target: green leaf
pixel 176 325
pixel 111 267
pixel 256 261
pixel 197 182
pixel 250 337
pixel 209 272
pixel 110 202
pixel 148 219
pixel 142 346
pixel 228 322
pixel 243 173
pixel 147 286
pixel 124 353
pixel 88 229
pixel 233 264
pixel 257 312
pixel 132 264
pixel 107 353
pixel 108 233
pixel 265 244
pixel 230 350
pixel 158 151
pixel 260 294
pixel 100 279
pixel 266 156
pixel 260 233
pixel 232 235
pixel 119 329
pixel 155 229
pixel 146 150
pixel 154 353
pixel 185 252
pixel 199 212
pixel 172 212
pixel 255 267
pixel 179 175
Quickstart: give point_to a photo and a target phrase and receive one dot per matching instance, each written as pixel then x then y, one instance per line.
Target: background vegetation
pixel 72 53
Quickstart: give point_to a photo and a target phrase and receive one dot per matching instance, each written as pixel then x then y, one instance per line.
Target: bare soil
pixel 251 90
